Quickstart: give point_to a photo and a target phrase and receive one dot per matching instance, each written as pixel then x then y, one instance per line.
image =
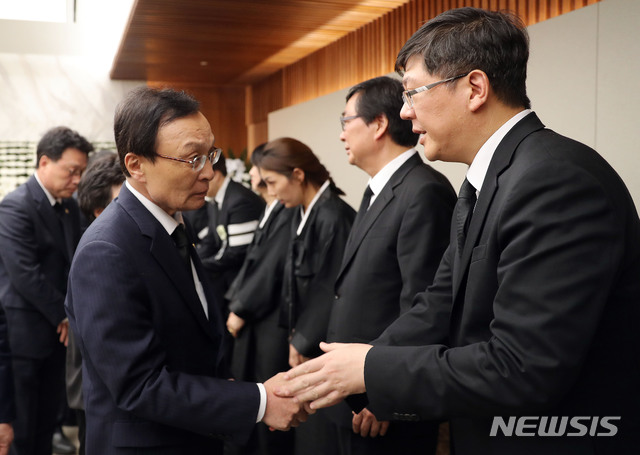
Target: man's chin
pixel 193 203
pixel 430 154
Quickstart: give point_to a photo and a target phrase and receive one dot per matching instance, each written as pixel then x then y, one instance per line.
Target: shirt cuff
pixel 263 402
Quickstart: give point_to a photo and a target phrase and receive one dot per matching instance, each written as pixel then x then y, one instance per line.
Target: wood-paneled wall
pixel 224 107
pixel 369 52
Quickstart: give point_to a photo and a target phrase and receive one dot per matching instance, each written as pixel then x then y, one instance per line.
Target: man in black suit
pixel 530 326
pixel 39 230
pixel 7 406
pixel 142 309
pixel 393 250
pixel 225 226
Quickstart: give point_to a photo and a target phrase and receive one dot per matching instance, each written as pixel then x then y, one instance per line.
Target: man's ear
pixel 44 161
pixel 135 165
pixel 382 126
pixel 480 89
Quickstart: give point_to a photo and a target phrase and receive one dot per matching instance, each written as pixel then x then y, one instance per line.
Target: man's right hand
pixel 281 413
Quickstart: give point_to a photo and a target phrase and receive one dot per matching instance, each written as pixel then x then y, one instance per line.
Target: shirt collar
pixel 305 215
pixel 219 198
pixel 480 164
pixel 52 200
pixel 267 213
pixel 168 222
pixel 378 181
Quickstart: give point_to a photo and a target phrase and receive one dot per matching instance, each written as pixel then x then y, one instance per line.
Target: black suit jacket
pixel 239 215
pixel 7 406
pixel 312 266
pixel 261 348
pixel 392 254
pixel 34 267
pixel 257 289
pixel 151 359
pixel 537 316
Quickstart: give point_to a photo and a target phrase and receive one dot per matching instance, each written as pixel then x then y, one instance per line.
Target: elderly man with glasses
pixel 142 308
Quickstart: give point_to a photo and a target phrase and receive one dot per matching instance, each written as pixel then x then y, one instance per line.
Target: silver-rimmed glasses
pixel 197 163
pixel 407 95
pixel 344 120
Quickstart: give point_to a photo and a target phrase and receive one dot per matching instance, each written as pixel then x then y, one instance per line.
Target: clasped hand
pixel 282 412
pixel 328 379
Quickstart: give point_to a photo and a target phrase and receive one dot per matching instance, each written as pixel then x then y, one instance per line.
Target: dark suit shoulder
pixel 424 175
pixel 114 225
pixel 331 209
pixel 236 191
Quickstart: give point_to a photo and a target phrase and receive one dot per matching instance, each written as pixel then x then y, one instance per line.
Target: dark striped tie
pixel 466 202
pixel 179 236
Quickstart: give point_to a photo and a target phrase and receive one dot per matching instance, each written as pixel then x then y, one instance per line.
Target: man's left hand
pixel 6 436
pixel 366 424
pixel 63 330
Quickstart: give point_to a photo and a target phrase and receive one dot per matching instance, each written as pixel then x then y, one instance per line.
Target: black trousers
pixel 401 438
pixel 39 394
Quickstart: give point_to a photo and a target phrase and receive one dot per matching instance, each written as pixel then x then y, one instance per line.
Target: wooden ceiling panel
pixel 241 41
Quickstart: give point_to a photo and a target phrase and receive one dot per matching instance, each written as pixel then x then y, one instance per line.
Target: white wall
pixel 38 92
pixel 58 73
pixel 583 83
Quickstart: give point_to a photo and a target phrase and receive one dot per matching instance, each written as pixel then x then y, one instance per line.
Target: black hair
pixel 461 40
pixel 94 189
pixel 383 96
pixel 57 140
pixel 141 114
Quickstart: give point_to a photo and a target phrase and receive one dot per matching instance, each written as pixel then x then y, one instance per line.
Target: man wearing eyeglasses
pixel 142 309
pixel 393 250
pixel 527 322
pixel 39 230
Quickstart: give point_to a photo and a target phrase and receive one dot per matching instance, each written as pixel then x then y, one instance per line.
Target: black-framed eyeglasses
pixel 197 163
pixel 407 95
pixel 344 120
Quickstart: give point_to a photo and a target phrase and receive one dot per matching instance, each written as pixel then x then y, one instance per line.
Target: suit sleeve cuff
pixel 263 402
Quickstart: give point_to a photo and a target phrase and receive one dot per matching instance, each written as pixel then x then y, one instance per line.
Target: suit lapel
pixel 357 235
pixel 48 215
pixel 360 230
pixel 501 161
pixel 70 229
pixel 166 255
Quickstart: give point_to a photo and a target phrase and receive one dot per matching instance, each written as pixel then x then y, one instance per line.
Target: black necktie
pixel 66 232
pixel 57 207
pixel 464 210
pixel 366 199
pixel 182 243
pixel 364 206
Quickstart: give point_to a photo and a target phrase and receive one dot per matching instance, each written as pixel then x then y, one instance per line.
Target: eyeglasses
pixel 72 171
pixel 75 172
pixel 407 95
pixel 344 120
pixel 198 162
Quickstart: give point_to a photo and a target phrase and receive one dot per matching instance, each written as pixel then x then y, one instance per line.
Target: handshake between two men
pixel 318 383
